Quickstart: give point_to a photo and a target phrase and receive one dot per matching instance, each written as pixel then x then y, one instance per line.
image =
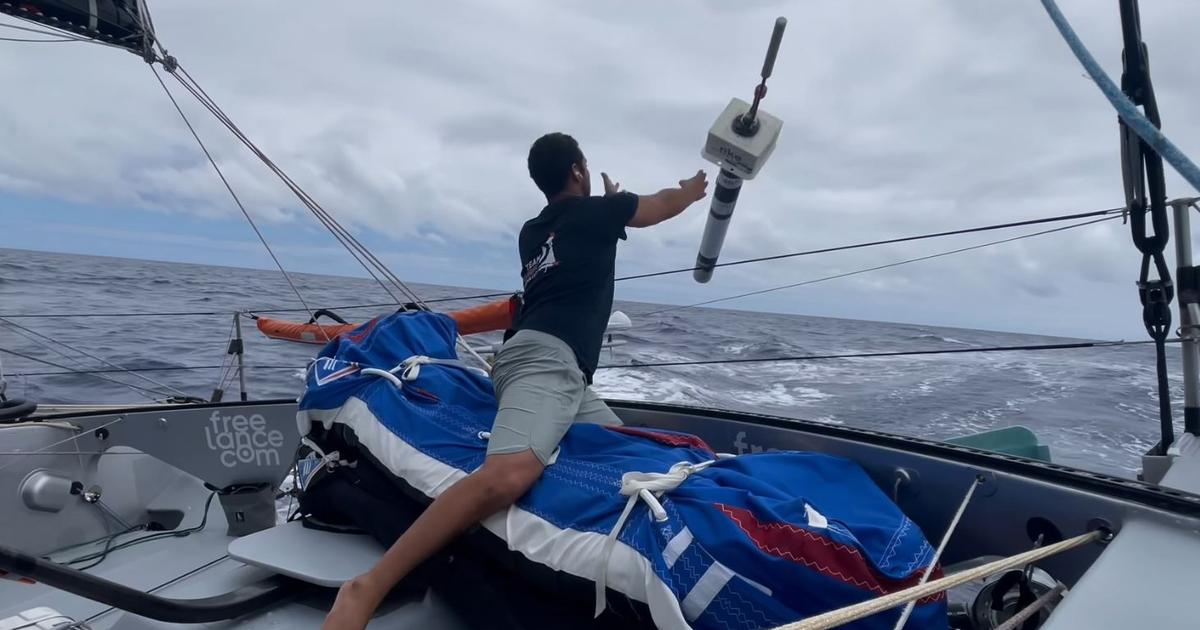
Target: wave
pixel 933 337
pixel 1109 391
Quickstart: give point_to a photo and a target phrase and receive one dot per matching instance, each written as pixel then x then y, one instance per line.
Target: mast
pixel 1189 314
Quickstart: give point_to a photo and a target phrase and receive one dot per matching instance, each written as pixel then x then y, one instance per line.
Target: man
pixel 543 371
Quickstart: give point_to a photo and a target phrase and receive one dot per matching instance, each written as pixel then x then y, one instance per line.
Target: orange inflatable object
pixel 496 315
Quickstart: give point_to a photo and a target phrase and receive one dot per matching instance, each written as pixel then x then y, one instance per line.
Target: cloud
pixel 410 123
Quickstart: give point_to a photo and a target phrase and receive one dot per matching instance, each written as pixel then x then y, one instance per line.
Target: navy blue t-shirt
pixel 568 256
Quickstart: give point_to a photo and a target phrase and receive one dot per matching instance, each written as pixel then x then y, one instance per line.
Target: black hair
pixel 550 160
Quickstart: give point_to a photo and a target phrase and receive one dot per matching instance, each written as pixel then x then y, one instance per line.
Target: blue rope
pixel 1125 107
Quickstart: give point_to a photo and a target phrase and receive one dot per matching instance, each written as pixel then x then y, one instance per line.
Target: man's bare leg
pixel 496 485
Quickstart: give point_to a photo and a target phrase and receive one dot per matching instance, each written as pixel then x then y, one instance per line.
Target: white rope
pixel 307 468
pixel 484 365
pixel 962 507
pixel 1025 613
pixel 648 487
pixel 845 615
pixel 410 368
pixel 385 374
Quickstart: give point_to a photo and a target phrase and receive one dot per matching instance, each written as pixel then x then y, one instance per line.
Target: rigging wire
pixel 880 267
pixel 1052 219
pixel 45 31
pixel 344 236
pixel 479 296
pixel 228 187
pixel 227 361
pixel 890 241
pixel 1143 149
pixel 268 309
pixel 51 445
pixel 873 355
pixel 37 41
pixel 310 202
pixel 937 554
pixel 96 373
pixel 57 33
pixel 94 314
pixel 779 359
pixel 176 368
pixel 353 245
pixel 64 355
pixel 339 233
pixel 90 356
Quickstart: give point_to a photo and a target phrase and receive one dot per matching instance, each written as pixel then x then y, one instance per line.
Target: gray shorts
pixel 541 391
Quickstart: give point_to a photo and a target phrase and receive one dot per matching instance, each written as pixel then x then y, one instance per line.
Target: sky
pixel 411 124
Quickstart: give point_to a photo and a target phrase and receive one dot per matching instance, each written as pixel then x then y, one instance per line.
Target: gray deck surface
pixel 1147 578
pixel 329 559
pixel 151 565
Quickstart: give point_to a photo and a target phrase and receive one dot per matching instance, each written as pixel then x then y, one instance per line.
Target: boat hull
pixel 1018 499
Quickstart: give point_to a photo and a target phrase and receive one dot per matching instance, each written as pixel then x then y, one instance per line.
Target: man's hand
pixel 609 187
pixel 696 186
pixel 355 604
pixel 669 202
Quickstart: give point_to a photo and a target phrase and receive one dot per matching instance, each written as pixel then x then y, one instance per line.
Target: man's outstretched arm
pixel 669 202
pixel 666 203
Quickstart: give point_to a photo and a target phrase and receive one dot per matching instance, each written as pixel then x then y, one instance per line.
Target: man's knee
pixel 509 476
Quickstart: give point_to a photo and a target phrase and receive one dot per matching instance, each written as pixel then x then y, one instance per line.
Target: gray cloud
pixel 412 122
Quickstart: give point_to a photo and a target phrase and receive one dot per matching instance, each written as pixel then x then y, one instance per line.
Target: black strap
pixel 248 599
pixel 324 312
pixel 1142 168
pixel 15 409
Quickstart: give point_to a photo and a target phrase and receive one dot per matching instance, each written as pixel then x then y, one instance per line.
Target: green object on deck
pixel 1015 440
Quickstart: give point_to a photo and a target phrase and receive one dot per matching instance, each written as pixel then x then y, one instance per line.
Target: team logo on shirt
pixel 543 262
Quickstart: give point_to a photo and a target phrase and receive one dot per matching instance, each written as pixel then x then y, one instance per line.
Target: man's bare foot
pixel 355 604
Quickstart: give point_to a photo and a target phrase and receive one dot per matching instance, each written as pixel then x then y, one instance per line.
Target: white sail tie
pixel 410 369
pixel 649 487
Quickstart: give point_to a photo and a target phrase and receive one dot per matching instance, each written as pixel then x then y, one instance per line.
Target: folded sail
pixel 116 22
pixel 751 541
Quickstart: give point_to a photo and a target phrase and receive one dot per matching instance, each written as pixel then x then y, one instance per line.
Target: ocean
pixel 1096 408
